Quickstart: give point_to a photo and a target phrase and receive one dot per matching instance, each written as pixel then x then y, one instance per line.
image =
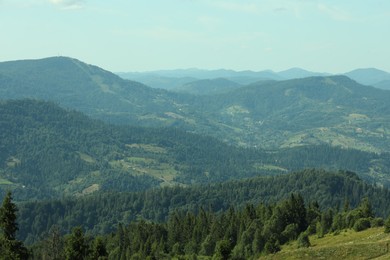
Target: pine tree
pixel 8 218
pixel 53 245
pixel 303 240
pixel 387 225
pixel 99 250
pixel 76 248
pixel 10 247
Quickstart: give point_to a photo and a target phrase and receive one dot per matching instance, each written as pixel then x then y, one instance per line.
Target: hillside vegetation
pixel 100 213
pixel 372 243
pixel 331 110
pixel 245 233
pixel 49 152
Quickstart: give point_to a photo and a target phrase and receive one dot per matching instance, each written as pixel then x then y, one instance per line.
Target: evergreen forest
pixel 94 166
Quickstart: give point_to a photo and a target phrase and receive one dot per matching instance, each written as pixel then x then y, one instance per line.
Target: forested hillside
pixel 101 213
pixel 208 86
pixel 49 152
pixel 246 233
pixel 333 110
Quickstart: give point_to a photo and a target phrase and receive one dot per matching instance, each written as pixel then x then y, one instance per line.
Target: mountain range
pixel 49 152
pixel 173 79
pixel 272 114
pixel 80 145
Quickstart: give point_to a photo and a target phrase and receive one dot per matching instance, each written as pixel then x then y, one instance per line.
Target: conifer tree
pixel 387 225
pixel 10 247
pixel 76 248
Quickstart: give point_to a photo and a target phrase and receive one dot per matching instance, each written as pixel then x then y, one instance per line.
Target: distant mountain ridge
pixel 371 77
pixel 271 114
pixel 49 152
pixel 208 86
pixel 368 76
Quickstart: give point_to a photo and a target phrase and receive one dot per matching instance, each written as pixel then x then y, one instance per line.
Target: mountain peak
pixel 299 73
pixel 368 76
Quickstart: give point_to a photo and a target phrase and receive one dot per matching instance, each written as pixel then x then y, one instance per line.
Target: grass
pixel 139 165
pixel 5 182
pixel 368 244
pixel 86 157
pixel 148 148
pixel 269 167
pixel 12 162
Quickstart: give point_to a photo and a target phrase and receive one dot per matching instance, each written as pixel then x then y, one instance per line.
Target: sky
pixel 334 36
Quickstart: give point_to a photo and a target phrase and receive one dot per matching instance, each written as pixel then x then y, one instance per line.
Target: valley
pixel 332 110
pixel 83 147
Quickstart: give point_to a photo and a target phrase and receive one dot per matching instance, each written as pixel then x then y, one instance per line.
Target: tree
pixel 272 245
pixel 8 218
pixel 99 250
pixel 10 247
pixel 76 248
pixel 362 224
pixel 387 225
pixel 223 249
pixel 303 240
pixel 54 244
pixel 366 208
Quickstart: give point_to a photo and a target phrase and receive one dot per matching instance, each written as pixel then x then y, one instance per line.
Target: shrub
pixel 377 222
pixel 272 246
pixel 303 240
pixel 387 225
pixel 362 224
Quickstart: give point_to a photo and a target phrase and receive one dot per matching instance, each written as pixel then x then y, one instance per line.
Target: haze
pixel 324 36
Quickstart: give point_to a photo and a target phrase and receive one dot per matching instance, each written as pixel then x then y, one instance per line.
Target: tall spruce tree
pixel 75 246
pixel 10 247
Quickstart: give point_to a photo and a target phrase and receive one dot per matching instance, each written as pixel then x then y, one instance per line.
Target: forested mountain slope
pixel 208 86
pixel 49 152
pixel 101 213
pixel 330 110
pixel 333 110
pixel 46 151
pixel 83 87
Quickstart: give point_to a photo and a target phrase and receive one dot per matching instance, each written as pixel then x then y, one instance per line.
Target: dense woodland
pixel 270 114
pixel 234 233
pixel 84 189
pixel 48 152
pixel 100 213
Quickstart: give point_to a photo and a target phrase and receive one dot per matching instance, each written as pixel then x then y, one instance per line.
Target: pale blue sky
pixel 320 35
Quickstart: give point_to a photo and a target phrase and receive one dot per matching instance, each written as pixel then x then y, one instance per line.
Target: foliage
pixel 387 225
pixel 100 213
pixel 362 224
pixel 10 247
pixel 75 245
pixel 49 152
pixel 303 240
pixel 334 110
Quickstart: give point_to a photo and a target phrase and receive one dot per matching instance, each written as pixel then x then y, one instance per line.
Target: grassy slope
pixel 368 244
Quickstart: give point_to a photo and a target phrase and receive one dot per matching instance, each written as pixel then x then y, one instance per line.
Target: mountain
pixel 87 88
pixel 171 79
pixel 159 79
pixel 331 110
pixel 295 73
pixel 208 86
pixel 315 110
pixel 384 84
pixel 208 74
pixel 370 76
pixel 49 152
